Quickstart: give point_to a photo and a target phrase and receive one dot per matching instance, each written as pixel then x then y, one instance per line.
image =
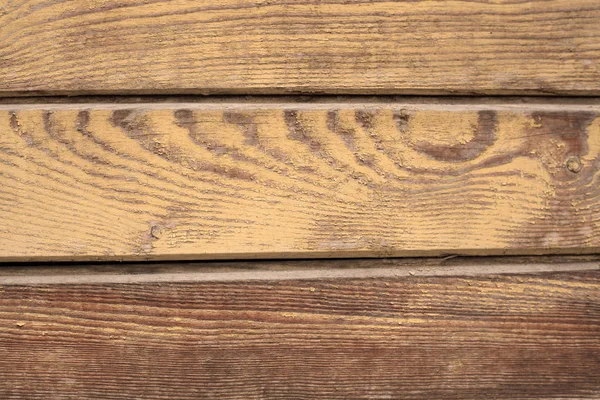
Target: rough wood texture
pixel 263 46
pixel 528 336
pixel 275 180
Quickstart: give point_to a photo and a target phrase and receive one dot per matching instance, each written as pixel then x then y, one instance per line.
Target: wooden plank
pixel 515 336
pixel 257 46
pixel 272 180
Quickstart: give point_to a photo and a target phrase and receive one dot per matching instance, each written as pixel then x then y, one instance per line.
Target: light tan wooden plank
pixel 202 181
pixel 523 336
pixel 257 46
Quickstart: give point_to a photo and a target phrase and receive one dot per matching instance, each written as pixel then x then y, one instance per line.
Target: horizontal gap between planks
pixel 176 101
pixel 266 270
pixel 27 96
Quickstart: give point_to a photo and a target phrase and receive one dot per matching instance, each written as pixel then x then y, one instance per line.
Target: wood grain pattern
pixel 525 336
pixel 188 181
pixel 269 46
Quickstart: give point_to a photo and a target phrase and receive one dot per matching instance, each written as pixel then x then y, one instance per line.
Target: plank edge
pixel 291 270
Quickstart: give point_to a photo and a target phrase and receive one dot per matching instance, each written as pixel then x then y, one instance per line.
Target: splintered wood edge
pixel 111 273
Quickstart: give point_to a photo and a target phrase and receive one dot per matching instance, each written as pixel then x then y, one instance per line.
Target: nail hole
pixel 156 231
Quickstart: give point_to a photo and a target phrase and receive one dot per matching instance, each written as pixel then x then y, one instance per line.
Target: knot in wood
pixel 574 164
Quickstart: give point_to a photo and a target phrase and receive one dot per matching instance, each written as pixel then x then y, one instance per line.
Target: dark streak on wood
pixel 483 137
pixel 300 132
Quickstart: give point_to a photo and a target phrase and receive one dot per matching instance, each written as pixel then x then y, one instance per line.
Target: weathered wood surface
pixel 523 336
pixel 175 181
pixel 258 46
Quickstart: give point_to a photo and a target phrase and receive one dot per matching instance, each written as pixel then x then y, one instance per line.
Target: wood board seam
pixel 196 275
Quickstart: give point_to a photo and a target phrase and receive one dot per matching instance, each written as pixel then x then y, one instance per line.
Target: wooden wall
pixel 396 217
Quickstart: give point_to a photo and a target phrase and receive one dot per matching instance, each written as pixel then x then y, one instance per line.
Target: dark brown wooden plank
pixel 468 336
pixel 271 179
pixel 258 46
